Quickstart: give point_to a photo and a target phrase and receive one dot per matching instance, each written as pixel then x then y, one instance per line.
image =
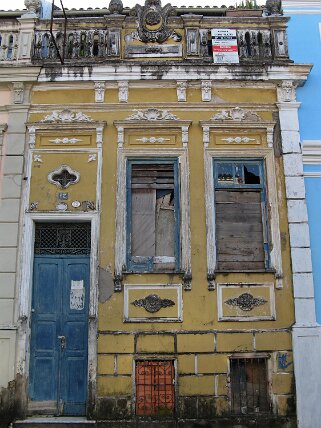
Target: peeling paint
pixel 105 284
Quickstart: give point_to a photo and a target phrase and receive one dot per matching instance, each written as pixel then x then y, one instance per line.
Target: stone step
pixel 54 422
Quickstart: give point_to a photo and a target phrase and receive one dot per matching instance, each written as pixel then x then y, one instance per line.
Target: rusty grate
pixel 249 385
pixel 155 388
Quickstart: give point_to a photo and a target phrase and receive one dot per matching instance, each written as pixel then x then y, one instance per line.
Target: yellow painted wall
pixel 201 343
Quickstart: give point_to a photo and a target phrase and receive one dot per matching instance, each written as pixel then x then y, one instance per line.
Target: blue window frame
pixel 242 238
pixel 153 215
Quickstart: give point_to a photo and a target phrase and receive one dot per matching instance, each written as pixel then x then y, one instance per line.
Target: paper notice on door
pixel 77 295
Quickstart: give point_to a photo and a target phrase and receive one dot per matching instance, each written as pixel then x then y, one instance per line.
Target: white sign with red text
pixel 224 46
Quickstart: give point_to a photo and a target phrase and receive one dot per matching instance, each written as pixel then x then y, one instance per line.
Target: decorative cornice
pixel 243 73
pixel 65 116
pixel 153 303
pixel 246 301
pixel 311 152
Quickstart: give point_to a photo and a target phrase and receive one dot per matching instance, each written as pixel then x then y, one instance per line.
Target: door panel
pixel 75 319
pixel 46 305
pixel 59 332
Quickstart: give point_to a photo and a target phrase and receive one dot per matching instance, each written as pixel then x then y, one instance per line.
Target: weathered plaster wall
pixel 200 343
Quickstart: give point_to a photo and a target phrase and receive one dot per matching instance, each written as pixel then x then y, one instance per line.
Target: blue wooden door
pixel 59 333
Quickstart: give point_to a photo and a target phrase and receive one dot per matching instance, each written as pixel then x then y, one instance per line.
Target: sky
pixel 19 4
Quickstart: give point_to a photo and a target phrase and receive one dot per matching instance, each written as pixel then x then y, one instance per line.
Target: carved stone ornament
pixel 18 92
pixel 153 303
pixel 34 205
pixel 37 158
pixel 152 22
pixel 286 91
pixel 206 90
pixel 237 114
pixel 181 90
pixel 65 140
pixel 118 282
pixel 32 6
pixel 273 7
pixel 246 302
pixel 152 140
pixel 99 92
pixel 66 115
pixel 63 177
pixel 152 114
pixel 115 6
pixel 238 140
pixel 88 205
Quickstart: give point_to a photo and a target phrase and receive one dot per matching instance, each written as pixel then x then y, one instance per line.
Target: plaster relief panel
pixel 150 138
pixel 152 303
pixel 64 139
pixel 63 181
pixel 245 302
pixel 241 137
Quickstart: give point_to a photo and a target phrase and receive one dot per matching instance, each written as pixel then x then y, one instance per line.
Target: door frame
pixel 25 281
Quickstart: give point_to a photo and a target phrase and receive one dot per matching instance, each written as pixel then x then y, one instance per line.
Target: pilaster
pixel 306 331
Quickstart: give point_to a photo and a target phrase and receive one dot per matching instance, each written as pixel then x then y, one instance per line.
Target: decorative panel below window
pixel 249 385
pixel 155 388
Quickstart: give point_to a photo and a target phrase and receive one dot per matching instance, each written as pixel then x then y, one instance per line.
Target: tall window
pixel 153 242
pixel 249 385
pixel 241 215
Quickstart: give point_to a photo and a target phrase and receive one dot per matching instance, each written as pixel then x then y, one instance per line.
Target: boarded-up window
pixel 153 241
pixel 155 388
pixel 241 223
pixel 249 385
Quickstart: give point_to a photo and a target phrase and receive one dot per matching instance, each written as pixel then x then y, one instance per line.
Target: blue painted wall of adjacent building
pixel 304 36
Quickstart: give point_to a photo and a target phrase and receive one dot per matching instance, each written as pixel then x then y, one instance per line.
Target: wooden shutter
pixel 239 230
pixel 153 212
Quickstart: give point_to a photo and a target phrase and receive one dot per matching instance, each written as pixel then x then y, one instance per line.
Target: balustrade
pixel 8 46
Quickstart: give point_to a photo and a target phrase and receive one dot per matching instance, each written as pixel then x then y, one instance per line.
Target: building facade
pixel 162 252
